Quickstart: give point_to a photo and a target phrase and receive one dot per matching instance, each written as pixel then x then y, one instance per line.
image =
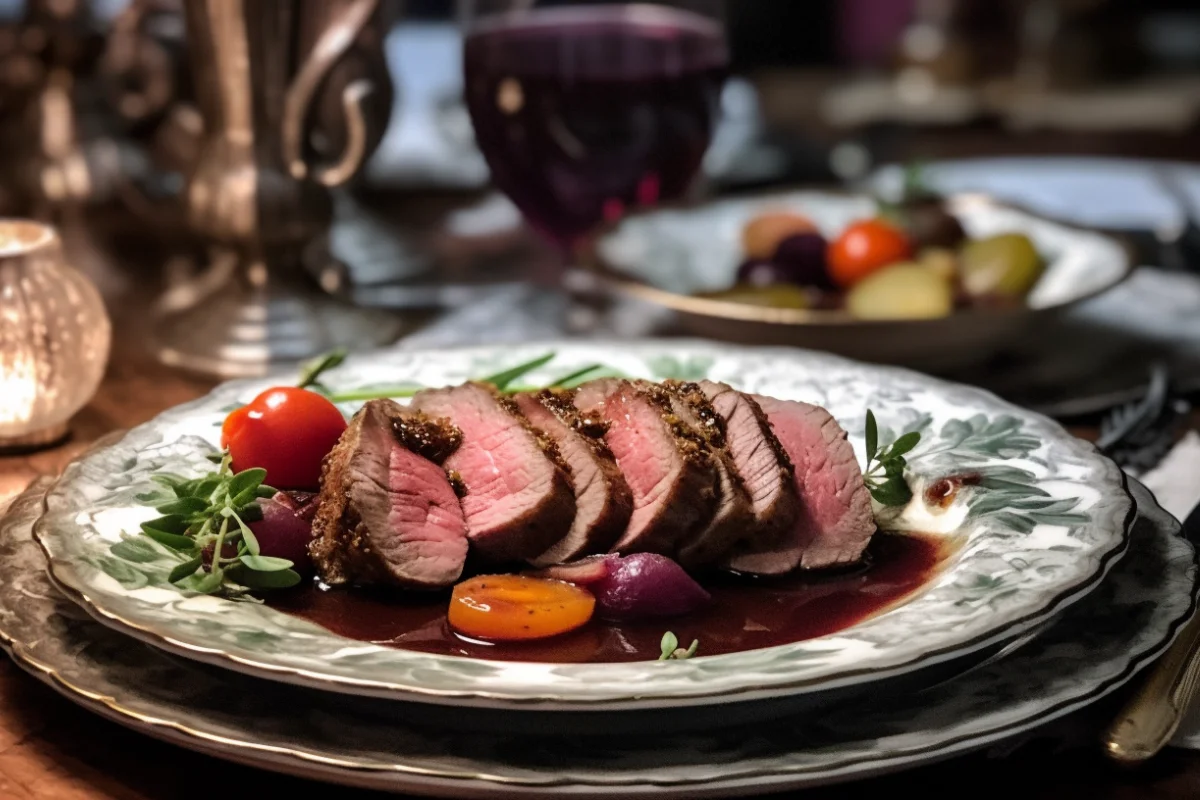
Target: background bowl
pixel 666 257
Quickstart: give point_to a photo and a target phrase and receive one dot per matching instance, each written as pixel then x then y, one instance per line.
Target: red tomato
pixel 865 247
pixel 286 431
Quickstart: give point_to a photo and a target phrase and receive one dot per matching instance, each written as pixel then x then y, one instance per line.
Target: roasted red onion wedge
pixel 645 585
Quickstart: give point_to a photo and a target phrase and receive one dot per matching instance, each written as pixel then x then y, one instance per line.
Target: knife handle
pixel 1151 717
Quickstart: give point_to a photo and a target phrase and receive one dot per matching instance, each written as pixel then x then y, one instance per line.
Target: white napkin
pixel 1176 484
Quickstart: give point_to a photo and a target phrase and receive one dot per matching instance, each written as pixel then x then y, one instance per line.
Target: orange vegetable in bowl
pixel 516 607
pixel 865 247
pixel 762 235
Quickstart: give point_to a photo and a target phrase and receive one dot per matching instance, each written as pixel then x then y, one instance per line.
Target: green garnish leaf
pixel 254 579
pixel 248 536
pixel 265 491
pixel 670 643
pixel 872 436
pixel 265 563
pixel 183 506
pixel 311 372
pixel 172 523
pixel 570 380
pixel 884 476
pixel 168 479
pixel 890 492
pixel 671 650
pixel 246 480
pixel 185 569
pixel 251 512
pixel 183 544
pixel 501 380
pixel 215 458
pixel 904 444
pixel 208 583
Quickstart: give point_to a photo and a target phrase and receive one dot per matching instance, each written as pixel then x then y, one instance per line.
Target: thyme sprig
pixel 885 468
pixel 205 523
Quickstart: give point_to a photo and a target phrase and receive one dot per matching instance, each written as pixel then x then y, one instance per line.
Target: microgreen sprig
pixel 885 468
pixel 205 522
pixel 672 651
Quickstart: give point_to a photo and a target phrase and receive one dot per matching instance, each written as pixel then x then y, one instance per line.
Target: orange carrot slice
pixel 516 607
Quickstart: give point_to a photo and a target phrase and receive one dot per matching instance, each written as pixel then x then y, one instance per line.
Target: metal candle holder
pixel 294 96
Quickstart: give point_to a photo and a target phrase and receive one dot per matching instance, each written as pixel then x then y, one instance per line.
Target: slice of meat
pixel 386 513
pixel 518 499
pixel 590 397
pixel 732 517
pixel 836 520
pixel 668 466
pixel 603 502
pixel 760 460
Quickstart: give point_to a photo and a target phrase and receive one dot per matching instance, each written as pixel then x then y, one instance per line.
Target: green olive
pixel 1007 265
pixel 779 295
pixel 901 291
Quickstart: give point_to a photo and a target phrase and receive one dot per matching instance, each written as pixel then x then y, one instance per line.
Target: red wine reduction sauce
pixel 745 614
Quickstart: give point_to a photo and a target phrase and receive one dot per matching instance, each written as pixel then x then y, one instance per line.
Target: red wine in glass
pixel 587 112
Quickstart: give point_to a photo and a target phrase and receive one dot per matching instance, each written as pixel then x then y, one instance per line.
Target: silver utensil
pixel 1152 715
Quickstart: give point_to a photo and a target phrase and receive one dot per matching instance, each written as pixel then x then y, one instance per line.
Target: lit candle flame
pixel 18 392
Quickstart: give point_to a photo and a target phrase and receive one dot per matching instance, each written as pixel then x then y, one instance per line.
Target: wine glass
pixel 586 111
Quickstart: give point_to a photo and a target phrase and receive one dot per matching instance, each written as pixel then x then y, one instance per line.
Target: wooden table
pixel 52 750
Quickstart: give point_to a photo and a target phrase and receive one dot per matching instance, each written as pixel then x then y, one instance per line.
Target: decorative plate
pixel 1047 522
pixel 1096 648
pixel 666 256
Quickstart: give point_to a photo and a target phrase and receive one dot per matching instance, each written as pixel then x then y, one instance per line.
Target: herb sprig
pixel 672 651
pixel 206 525
pixel 885 468
pixel 504 381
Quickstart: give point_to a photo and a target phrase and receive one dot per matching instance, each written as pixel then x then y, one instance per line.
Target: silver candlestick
pixel 277 81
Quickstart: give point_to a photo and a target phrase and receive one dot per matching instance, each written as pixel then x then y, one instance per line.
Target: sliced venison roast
pixel 519 500
pixel 763 465
pixel 732 517
pixel 387 513
pixel 835 522
pixel 603 502
pixel 667 464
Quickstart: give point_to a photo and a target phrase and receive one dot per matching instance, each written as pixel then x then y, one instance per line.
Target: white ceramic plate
pixel 667 256
pixel 1098 646
pixel 1048 521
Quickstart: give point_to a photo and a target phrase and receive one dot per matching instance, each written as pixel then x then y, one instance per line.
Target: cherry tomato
pixel 864 247
pixel 515 607
pixel 286 431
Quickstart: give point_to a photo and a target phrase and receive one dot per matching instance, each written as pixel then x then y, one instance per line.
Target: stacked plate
pixel 1064 581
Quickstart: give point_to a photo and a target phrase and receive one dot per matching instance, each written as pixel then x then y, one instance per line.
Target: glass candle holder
pixel 54 336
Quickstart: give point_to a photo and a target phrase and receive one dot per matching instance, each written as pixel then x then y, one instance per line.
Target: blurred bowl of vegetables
pixel 929 282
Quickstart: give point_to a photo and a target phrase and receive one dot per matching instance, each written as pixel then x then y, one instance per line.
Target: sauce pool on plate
pixel 745 614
